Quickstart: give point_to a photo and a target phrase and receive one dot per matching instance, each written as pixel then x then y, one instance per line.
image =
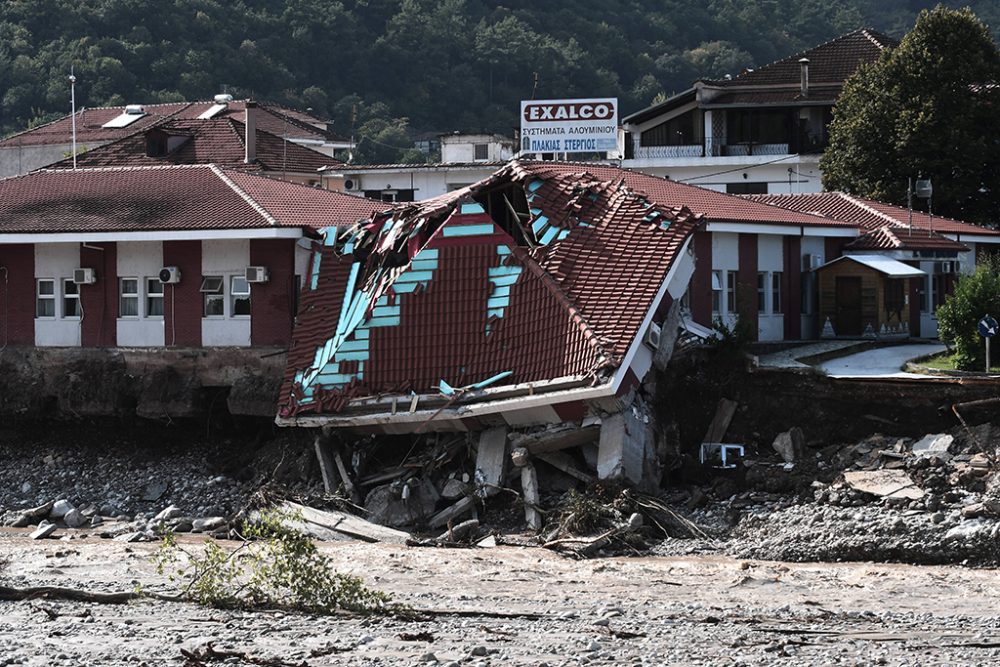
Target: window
pixel 731 292
pixel 895 297
pixel 716 291
pixel 748 188
pixel 154 297
pixel 215 299
pixel 128 297
pixel 480 152
pixel 45 297
pixel 762 292
pixel 71 298
pixel 240 293
pixel 776 306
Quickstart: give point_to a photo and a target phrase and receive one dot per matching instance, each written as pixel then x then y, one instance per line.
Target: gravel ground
pixel 631 611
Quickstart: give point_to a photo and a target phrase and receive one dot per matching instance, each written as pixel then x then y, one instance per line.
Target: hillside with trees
pixel 385 69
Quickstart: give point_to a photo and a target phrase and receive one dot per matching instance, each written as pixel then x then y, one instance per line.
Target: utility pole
pixel 72 101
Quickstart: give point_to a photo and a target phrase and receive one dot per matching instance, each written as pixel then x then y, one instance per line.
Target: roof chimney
pixel 804 71
pixel 251 128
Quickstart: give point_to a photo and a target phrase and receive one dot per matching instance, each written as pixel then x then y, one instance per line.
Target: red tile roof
pixel 220 141
pixel 569 304
pixel 714 206
pixel 831 62
pixel 167 198
pixel 897 238
pixel 867 213
pixel 271 118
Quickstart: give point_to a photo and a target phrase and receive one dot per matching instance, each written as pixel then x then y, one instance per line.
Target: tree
pixel 975 295
pixel 927 108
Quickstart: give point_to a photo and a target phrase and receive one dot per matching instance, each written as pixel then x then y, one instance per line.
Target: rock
pixel 154 490
pixel 60 508
pixel 933 445
pixel 454 489
pixel 182 525
pixel 136 536
pixel 520 456
pixel 428 657
pixel 790 445
pixel 207 525
pixel 635 521
pixel 43 531
pixel 26 488
pixel 171 512
pixel 974 510
pixel 460 532
pixel 107 509
pixel 980 461
pixel 74 518
pixel 96 520
pixel 479 651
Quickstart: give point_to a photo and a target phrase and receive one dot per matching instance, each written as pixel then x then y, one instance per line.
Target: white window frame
pixel 775 294
pixel 763 278
pixel 50 297
pixel 70 296
pixel 730 291
pixel 151 295
pixel 241 295
pixel 717 291
pixel 122 295
pixel 211 295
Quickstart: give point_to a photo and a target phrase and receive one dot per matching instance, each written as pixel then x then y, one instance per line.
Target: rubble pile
pixel 116 488
pixel 930 500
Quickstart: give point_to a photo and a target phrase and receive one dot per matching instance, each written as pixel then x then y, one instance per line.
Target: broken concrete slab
pixel 491 460
pixel 454 489
pixel 346 525
pixel 724 413
pixel 611 448
pixel 936 444
pixel 399 504
pixel 884 483
pixel 790 445
pixel 43 531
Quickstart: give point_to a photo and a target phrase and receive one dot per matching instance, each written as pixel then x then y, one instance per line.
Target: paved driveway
pixel 880 362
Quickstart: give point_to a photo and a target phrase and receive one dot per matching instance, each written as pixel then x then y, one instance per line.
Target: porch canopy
pixel 888 266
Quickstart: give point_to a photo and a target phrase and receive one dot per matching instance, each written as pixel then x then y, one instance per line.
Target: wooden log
pixel 458 509
pixel 529 490
pixel 326 464
pixel 557 439
pixel 562 461
pixel 724 413
pixel 345 524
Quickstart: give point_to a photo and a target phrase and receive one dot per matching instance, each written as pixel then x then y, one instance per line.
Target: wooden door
pixel 848 306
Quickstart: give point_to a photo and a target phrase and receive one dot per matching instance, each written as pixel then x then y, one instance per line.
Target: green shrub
pixel 975 295
pixel 276 567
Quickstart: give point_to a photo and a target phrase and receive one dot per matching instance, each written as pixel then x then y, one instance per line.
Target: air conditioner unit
pixel 652 337
pixel 352 185
pixel 256 274
pixel 84 276
pixel 944 267
pixel 811 262
pixel 170 274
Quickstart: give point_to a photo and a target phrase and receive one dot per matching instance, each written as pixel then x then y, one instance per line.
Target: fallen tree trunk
pixel 9 593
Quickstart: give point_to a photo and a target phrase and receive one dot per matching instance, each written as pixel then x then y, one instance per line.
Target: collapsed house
pixel 540 296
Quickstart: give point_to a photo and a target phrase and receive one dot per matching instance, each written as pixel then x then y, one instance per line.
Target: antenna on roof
pixel 72 102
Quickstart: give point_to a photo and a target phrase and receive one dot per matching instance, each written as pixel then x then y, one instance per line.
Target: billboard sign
pixel 569 126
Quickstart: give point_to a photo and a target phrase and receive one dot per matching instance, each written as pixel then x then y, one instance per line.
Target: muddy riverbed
pixel 700 610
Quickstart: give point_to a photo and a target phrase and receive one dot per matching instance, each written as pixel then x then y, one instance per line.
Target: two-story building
pixel 761 131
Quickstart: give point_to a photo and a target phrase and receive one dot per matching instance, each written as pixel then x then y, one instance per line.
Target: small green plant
pixel 276 567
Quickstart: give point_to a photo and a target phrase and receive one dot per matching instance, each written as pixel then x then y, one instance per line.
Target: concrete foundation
pixel 154 383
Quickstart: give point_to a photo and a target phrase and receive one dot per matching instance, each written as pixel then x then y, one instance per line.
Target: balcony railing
pixel 721 146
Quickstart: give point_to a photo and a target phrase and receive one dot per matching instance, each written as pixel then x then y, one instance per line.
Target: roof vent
pixel 134 110
pixel 804 72
pixel 224 98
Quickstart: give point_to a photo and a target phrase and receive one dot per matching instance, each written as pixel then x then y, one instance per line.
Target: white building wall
pixel 17 160
pixel 770 259
pixel 57 261
pixel 226 258
pixel 140 260
pixel 715 173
